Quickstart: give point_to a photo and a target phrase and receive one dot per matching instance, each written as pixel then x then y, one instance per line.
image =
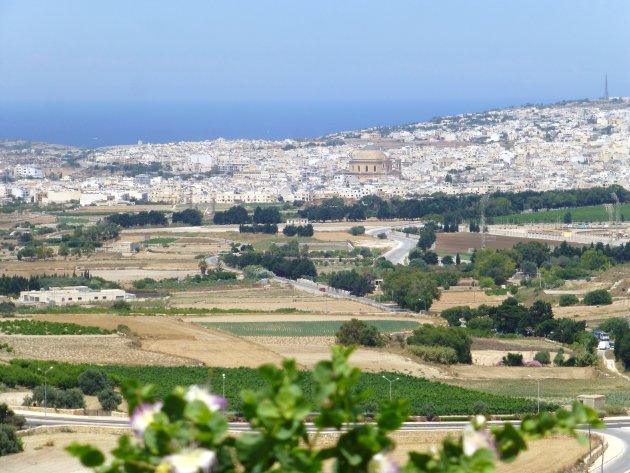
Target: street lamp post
pixel 538 389
pixel 390 381
pixel 223 391
pixel 45 388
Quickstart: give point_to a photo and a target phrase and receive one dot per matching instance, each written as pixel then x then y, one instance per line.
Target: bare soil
pixel 463 295
pixel 173 337
pixel 270 297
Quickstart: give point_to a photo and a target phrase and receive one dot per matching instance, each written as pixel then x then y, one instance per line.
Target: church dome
pixel 368 155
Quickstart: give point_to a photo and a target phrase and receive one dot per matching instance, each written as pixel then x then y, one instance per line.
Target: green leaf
pixel 89 455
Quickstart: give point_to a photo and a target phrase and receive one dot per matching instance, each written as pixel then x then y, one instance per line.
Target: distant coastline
pixel 99 124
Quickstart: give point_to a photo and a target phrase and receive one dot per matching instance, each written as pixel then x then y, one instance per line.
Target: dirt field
pixel 462 242
pixel 298 317
pixel 475 372
pixel 462 295
pixel 167 335
pixel 86 349
pixel 44 453
pixel 269 298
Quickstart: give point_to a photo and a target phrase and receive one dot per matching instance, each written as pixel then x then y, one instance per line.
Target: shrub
pixel 57 398
pixel 7 308
pixel 598 297
pixel 558 360
pixel 453 337
pixel 357 230
pixel 568 299
pixel 93 381
pixel 357 332
pixel 543 357
pixel 444 355
pixel 486 282
pixel 513 359
pixel 109 399
pixel 9 441
pixel 382 236
pixel 429 411
pixel 121 305
pixel 482 324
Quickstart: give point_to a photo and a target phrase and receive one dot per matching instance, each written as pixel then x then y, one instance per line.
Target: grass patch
pixel 595 213
pixel 159 241
pixel 561 391
pixel 326 328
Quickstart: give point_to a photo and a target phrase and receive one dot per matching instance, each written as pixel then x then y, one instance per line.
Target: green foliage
pixel 568 300
pixel 427 237
pixel 357 230
pixel 513 359
pixel 58 398
pixel 233 216
pixel 357 284
pixel 36 327
pixel 192 217
pixel 410 288
pixel 453 337
pixel 121 306
pixel 109 399
pixel 443 355
pixel 494 264
pixel 357 332
pixel 278 439
pixel 299 230
pixel 598 297
pixel 9 441
pixel 543 357
pixel 93 381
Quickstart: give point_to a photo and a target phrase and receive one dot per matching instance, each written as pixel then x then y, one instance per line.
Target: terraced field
pixel 325 328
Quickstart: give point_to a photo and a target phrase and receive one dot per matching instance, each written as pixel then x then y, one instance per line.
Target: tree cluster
pixel 292 267
pixel 357 332
pixel 9 424
pixel 192 217
pixel 411 288
pixel 233 216
pixel 268 228
pixel 152 218
pixel 267 215
pixel 299 230
pixel 451 337
pixel 357 284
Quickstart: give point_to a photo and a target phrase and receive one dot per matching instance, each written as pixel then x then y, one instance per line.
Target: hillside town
pixel 574 144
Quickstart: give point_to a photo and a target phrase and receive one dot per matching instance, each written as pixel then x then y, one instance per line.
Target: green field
pixel 442 398
pixel 595 213
pixel 160 241
pixel 64 219
pixel 561 391
pixel 36 327
pixel 326 328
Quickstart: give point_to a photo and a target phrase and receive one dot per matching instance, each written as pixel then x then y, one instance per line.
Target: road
pixel 617 431
pixel 404 245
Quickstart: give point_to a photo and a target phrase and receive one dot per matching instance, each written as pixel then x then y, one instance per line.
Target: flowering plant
pixel 187 432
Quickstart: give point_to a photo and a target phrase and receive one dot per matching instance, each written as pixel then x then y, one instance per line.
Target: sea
pixel 100 124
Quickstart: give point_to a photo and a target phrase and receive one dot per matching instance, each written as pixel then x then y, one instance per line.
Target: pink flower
pixel 214 403
pixel 380 463
pixel 193 460
pixel 143 416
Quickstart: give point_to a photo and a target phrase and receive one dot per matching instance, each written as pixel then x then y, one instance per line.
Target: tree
pixel 429 257
pixel 93 381
pixel 496 265
pixel 436 336
pixel 598 297
pixel 109 399
pixel 543 357
pixel 568 299
pixel 358 284
pixel 568 218
pixel 192 217
pixel 203 266
pixel 357 230
pixel 447 260
pixel 357 332
pixel 513 359
pixel 458 259
pixel 63 250
pixel 410 288
pixel 427 237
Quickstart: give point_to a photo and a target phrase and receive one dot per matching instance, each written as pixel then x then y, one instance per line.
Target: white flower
pixel 192 461
pixel 474 439
pixel 143 416
pixel 214 403
pixel 382 464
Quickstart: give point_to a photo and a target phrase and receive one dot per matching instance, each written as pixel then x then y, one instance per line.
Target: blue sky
pixel 63 50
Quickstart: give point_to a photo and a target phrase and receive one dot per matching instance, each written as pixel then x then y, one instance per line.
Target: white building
pixel 73 295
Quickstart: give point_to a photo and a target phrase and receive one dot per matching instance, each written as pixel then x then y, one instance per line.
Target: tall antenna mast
pixel 606 86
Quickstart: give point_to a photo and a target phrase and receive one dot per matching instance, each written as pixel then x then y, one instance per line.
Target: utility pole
pixel 538 390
